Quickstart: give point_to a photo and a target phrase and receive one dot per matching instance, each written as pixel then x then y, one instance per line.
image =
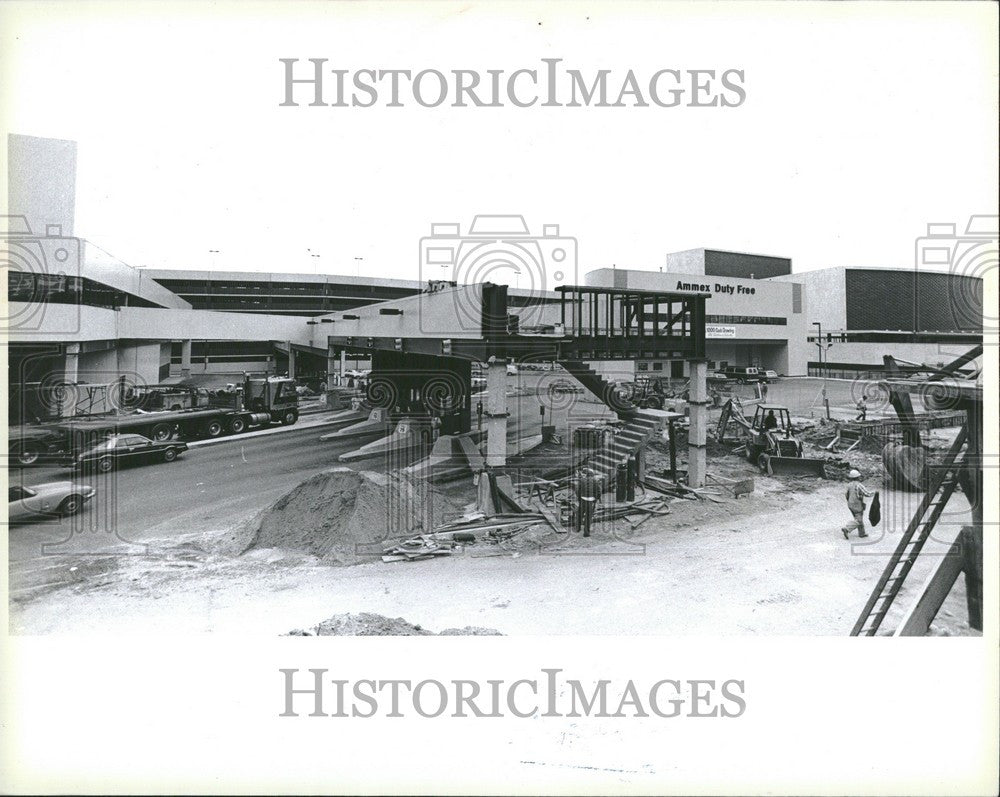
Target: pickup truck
pixel 744 374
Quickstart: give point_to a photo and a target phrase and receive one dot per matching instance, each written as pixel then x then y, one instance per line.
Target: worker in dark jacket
pixel 856 495
pixel 862 410
pixel 588 490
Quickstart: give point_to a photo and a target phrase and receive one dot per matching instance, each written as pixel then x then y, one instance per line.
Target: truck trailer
pixel 255 403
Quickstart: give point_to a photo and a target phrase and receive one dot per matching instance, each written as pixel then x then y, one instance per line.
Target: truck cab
pixel 274 395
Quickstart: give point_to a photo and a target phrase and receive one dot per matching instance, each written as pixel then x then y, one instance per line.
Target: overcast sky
pixel 861 124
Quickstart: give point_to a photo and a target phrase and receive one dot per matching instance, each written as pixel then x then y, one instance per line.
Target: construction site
pixel 489 450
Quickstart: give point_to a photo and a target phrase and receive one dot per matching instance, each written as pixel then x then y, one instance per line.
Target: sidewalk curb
pixel 259 433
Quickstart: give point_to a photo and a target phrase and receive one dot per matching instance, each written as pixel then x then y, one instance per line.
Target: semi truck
pixel 256 402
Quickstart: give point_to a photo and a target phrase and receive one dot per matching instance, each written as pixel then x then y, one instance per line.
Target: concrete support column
pixel 291 361
pixel 71 368
pixel 185 358
pixel 496 413
pixel 334 362
pixel 697 432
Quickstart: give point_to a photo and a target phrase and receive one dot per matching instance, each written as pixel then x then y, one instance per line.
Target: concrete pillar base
pixel 697 432
pixel 496 413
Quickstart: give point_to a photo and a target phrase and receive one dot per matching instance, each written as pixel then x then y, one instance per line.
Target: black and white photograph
pixel 650 348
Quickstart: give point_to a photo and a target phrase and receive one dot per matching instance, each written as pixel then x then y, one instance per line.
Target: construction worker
pixel 770 422
pixel 862 409
pixel 588 490
pixel 856 495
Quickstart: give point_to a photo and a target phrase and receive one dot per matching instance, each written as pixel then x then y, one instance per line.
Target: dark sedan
pixel 127 449
pixel 30 445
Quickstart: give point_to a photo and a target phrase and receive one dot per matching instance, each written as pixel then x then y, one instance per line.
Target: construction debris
pixel 454 536
pixel 738 487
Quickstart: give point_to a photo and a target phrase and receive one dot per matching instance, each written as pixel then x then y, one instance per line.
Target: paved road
pixel 207 487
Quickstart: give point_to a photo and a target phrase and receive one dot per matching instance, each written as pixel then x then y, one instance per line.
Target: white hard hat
pixel 854 475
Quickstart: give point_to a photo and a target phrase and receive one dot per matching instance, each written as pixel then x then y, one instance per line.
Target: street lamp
pixel 819 344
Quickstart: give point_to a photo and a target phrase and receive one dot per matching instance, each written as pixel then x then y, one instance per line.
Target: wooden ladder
pixel 918 531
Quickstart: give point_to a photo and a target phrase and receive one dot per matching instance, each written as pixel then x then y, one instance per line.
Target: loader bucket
pixel 795 465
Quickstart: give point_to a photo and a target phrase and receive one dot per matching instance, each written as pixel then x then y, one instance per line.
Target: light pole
pixel 315 257
pixel 358 261
pixel 819 344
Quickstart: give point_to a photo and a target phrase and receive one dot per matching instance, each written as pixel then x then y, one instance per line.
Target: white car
pixel 54 499
pixel 771 374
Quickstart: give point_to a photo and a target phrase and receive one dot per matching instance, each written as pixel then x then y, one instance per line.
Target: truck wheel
pixel 213 429
pixel 105 464
pixel 70 505
pixel 175 408
pixel 237 425
pixel 762 462
pixel 160 432
pixel 28 455
pixel 289 417
pixel 169 455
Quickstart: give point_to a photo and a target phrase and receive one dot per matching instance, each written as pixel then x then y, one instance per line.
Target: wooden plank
pixel 918 619
pixel 552 520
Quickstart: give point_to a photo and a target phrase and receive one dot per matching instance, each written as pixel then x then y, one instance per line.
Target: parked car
pixel 53 499
pixel 770 375
pixel 29 445
pixel 130 449
pixel 564 386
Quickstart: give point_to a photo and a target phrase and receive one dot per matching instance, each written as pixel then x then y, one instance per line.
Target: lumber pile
pixel 737 487
pixel 451 537
pixel 680 491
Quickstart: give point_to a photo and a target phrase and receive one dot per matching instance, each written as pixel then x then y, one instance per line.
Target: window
pixel 135 440
pixel 746 319
pixel 657 366
pixel 17 493
pixel 643 366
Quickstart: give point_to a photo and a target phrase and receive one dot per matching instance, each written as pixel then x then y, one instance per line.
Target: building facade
pixel 859 315
pixel 835 321
pixel 750 321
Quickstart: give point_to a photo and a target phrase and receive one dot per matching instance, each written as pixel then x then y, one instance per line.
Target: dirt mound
pixel 340 516
pixel 368 624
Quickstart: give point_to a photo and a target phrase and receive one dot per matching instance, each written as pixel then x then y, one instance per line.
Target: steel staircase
pixel 942 484
pixel 638 428
pixel 614 396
